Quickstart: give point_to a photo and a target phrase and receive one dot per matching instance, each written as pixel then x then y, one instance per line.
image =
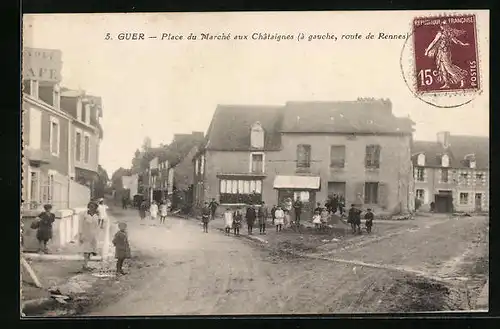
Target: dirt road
pixel 178 269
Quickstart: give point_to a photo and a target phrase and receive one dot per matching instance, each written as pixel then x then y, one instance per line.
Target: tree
pixel 136 161
pixel 146 145
pixel 102 181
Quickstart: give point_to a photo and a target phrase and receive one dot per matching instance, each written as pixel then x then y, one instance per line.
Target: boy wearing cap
pixel 369 220
pixel 122 248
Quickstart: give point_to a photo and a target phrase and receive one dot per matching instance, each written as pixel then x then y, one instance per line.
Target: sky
pixel 157 87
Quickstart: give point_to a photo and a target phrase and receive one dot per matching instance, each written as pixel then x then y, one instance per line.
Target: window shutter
pixel 383 195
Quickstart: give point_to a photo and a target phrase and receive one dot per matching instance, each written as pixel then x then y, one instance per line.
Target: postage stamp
pixel 446 54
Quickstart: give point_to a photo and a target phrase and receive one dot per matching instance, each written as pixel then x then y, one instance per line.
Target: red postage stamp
pixel 446 57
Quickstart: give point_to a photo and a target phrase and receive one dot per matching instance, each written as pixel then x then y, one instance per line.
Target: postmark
pixel 445 54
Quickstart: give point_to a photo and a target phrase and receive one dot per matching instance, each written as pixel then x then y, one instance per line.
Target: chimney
pixel 443 137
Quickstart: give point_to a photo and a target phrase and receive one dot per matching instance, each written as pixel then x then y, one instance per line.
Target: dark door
pixel 478 200
pixel 308 199
pixel 443 203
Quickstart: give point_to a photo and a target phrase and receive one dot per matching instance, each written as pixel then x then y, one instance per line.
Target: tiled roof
pixel 459 148
pixel 361 116
pixel 231 125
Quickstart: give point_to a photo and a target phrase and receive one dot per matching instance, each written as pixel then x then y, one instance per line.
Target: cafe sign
pixel 42 64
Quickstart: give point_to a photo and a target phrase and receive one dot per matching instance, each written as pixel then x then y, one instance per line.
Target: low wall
pixel 64 229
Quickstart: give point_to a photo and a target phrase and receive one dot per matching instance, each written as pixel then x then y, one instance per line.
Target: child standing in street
pixel 122 248
pixel 205 217
pixel 317 220
pixel 153 210
pixel 280 219
pixel 369 220
pixel 273 213
pixel 101 210
pixel 237 219
pixel 228 220
pixel 163 211
pixel 325 215
pixel 43 224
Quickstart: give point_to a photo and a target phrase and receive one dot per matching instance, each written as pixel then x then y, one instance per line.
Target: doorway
pixel 444 202
pixel 336 188
pixel 307 197
pixel 478 201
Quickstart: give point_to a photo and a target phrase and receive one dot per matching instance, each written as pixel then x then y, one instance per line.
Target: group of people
pixel 90 221
pixel 354 218
pixel 154 210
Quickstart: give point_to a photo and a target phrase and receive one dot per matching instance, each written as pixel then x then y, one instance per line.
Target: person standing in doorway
pixel 280 219
pixel 237 219
pixel 213 208
pixel 205 217
pixel 250 218
pixel 122 247
pixel 43 224
pixel 88 229
pixel 262 214
pixel 297 206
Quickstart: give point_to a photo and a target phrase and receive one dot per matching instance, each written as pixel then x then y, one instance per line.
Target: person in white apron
pixel 153 210
pixel 163 211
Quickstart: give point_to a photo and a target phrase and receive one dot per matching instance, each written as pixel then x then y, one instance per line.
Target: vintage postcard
pixel 255 163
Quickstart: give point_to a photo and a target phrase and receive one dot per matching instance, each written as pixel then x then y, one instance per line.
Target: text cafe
pixel 43 65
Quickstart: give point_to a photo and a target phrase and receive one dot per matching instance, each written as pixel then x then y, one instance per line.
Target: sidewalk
pixel 61 270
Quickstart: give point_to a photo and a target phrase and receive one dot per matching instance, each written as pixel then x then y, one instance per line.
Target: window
pixel 257 136
pixel 48 189
pixel 421 160
pixel 372 157
pixel 87 113
pixel 257 162
pixel 337 156
pixel 57 97
pixel 35 128
pixel 86 149
pixel 240 191
pixel 420 194
pixel 445 161
pixel 202 164
pixel 464 198
pixel 444 175
pixel 79 107
pixel 303 156
pixel 34 87
pixel 371 193
pixel 420 175
pixel 33 188
pixel 480 176
pixel 54 136
pixel 304 196
pixel 196 166
pixel 78 146
pixel 464 175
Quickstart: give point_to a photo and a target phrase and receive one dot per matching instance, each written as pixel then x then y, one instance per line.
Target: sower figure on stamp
pixel 440 49
pixel 122 248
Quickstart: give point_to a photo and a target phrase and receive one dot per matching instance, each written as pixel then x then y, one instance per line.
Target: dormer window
pixel 257 136
pixel 472 163
pixel 421 159
pixel 445 160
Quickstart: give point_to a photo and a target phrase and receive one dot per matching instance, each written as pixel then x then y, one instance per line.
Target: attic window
pixel 421 159
pixel 472 163
pixel 257 136
pixel 445 161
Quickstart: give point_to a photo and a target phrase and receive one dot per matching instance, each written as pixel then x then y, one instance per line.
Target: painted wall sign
pixel 42 64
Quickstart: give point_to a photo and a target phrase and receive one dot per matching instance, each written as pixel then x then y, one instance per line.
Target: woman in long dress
pixel 153 210
pixel 440 49
pixel 89 228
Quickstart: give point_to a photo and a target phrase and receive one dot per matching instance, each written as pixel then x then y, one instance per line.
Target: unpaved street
pixel 177 269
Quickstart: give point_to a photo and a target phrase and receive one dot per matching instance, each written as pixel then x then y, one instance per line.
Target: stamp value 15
pixel 445 51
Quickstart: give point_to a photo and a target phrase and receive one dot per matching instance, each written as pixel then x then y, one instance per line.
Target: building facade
pixel 356 149
pixel 48 136
pixel 452 173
